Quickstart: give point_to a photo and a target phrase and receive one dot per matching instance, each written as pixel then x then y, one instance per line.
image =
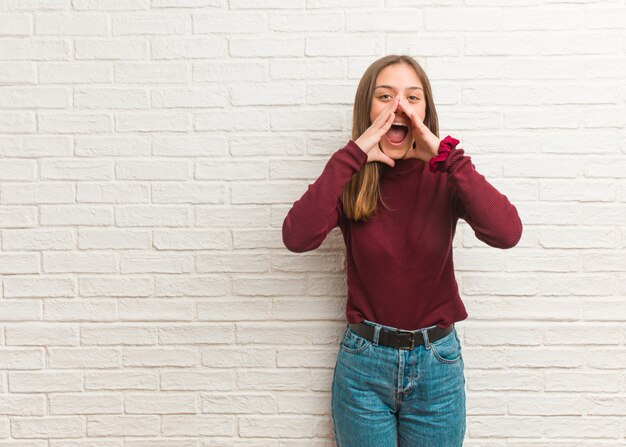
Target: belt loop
pixel 426 341
pixel 376 334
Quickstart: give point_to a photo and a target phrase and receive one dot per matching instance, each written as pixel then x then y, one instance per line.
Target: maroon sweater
pixel 399 264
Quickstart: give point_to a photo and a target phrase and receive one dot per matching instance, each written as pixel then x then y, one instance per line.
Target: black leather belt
pixel 400 338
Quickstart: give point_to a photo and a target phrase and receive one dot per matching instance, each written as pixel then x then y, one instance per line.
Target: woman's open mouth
pixel 397 134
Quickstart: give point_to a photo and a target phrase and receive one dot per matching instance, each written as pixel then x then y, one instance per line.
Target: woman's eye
pixel 383 96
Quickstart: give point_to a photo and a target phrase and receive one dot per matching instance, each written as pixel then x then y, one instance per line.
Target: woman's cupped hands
pixel 369 141
pixel 426 142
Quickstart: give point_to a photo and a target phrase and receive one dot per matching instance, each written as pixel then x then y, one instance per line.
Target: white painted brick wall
pixel 150 150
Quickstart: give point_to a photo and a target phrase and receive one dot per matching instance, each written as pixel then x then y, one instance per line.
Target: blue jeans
pixel 386 397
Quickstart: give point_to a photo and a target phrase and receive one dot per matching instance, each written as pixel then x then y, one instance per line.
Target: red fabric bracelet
pixel 442 154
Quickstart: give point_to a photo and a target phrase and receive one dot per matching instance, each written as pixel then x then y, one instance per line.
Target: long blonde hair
pixel 360 195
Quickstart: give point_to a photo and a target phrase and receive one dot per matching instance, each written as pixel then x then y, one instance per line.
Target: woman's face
pixel 398 80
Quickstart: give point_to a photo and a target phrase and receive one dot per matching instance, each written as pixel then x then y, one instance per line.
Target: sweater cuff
pixel 359 156
pixel 438 162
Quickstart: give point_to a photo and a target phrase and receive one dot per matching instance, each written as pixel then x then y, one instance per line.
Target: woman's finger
pixel 382 116
pixel 386 158
pixel 414 117
pixel 389 111
pixel 408 112
pixel 387 124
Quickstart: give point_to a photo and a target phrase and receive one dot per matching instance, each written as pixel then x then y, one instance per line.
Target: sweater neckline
pixel 401 168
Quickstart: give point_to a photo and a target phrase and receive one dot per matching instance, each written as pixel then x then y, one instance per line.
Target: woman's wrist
pixel 360 144
pixel 443 151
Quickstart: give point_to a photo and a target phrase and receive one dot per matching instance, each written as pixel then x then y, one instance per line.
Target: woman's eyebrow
pixel 388 86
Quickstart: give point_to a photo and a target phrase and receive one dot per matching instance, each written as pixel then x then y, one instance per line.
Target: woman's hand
pixel 369 141
pixel 426 142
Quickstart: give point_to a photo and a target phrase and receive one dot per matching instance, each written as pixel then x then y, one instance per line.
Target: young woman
pixel 397 191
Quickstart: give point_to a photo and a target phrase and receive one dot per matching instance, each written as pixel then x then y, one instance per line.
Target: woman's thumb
pixel 387 159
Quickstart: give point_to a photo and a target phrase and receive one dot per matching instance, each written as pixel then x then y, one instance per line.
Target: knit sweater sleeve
pixel 491 215
pixel 319 209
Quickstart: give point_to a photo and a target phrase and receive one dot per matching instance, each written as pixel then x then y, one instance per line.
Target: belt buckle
pixel 412 337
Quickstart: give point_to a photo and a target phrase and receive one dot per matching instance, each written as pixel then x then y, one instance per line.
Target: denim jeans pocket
pixel 353 342
pixel 448 348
